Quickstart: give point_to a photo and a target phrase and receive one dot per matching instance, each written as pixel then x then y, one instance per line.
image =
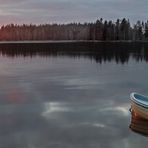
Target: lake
pixel 70 95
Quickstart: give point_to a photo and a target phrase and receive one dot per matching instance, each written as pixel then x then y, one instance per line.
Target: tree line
pixel 100 30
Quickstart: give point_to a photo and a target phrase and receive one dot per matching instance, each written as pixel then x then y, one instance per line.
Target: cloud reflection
pixel 54 107
pixel 65 124
pixel 122 110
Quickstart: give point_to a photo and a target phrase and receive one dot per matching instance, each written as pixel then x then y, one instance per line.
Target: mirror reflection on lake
pixel 70 95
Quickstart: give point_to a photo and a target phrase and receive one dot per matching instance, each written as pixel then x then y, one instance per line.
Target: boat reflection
pixel 138 124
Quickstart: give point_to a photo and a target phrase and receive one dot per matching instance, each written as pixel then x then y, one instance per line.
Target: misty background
pixel 65 11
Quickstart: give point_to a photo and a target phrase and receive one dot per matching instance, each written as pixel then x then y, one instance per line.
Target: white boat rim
pixel 139 99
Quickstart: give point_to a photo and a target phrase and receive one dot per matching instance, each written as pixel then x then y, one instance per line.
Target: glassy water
pixel 70 95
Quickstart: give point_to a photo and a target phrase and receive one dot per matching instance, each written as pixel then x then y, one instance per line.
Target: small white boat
pixel 139 105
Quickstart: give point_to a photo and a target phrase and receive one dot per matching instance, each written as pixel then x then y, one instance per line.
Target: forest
pixel 101 30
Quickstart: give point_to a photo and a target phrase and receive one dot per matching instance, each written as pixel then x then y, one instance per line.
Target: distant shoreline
pixel 69 41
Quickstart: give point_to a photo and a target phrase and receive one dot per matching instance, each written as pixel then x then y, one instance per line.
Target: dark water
pixel 70 95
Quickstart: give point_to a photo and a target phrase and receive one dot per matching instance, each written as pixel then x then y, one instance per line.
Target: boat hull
pixel 138 124
pixel 139 105
pixel 140 110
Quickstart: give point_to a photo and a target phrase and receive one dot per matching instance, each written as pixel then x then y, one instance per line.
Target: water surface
pixel 70 95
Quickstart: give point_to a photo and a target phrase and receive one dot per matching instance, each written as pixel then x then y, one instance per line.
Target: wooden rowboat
pixel 139 105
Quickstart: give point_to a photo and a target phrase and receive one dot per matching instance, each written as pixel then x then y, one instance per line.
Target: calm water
pixel 70 95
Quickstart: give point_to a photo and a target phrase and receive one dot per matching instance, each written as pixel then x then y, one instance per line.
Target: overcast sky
pixel 64 11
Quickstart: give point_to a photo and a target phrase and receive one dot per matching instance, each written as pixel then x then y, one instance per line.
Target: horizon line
pixel 73 22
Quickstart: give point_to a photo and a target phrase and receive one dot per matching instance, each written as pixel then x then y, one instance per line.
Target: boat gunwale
pixel 140 105
pixel 134 99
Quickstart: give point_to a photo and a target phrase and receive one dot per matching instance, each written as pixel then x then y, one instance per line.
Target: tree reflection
pixel 100 52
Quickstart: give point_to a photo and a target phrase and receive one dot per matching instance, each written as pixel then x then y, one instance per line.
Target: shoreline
pixel 69 41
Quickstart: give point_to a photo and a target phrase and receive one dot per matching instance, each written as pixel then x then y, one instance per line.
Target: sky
pixel 65 11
